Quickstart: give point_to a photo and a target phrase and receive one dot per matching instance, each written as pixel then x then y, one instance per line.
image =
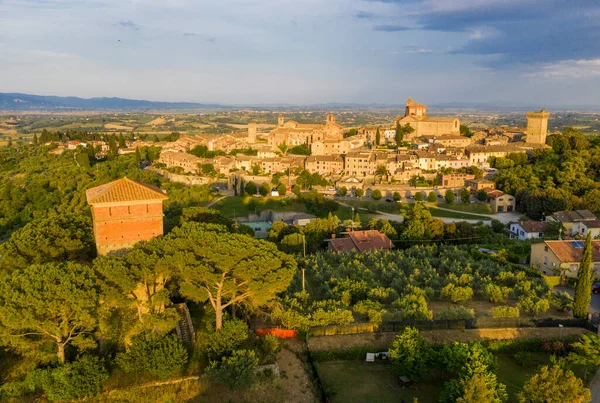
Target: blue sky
pixel 537 52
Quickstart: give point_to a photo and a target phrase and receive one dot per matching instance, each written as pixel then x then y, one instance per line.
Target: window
pixel 545 259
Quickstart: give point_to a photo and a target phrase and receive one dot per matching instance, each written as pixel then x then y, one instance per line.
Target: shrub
pixel 456 312
pixel 264 189
pixel 359 192
pixel 281 189
pixel 411 306
pixel 456 294
pixel 503 312
pixel 496 293
pixel 376 194
pixel 396 196
pixel 236 371
pixel 562 301
pixel 432 197
pixel 268 347
pixel 450 196
pixel 419 196
pixel 410 354
pixel 523 358
pixel 342 191
pixel 534 305
pixel 160 357
pixel 250 188
pixel 79 379
pixel 233 333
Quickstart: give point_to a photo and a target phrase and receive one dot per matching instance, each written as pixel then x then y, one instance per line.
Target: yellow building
pixel 293 133
pixel 555 257
pixel 537 127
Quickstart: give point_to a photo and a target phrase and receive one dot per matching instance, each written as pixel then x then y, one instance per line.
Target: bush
pixel 456 312
pixel 562 301
pixel 523 358
pixel 76 380
pixel 376 194
pixel 396 196
pixel 503 312
pixel 160 357
pixel 236 371
pixel 497 293
pixel 342 191
pixel 264 189
pixel 410 354
pixel 233 333
pixel 450 196
pixel 456 294
pixel 432 197
pixel 281 189
pixel 359 192
pixel 250 188
pixel 419 196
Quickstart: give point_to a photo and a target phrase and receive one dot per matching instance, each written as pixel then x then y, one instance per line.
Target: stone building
pixel 188 162
pixel 537 127
pixel 293 133
pixel 324 164
pixel 416 116
pixel 125 212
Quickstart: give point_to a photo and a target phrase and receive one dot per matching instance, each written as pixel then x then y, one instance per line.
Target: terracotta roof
pixel 123 190
pixel 566 251
pixel 534 226
pixel 362 241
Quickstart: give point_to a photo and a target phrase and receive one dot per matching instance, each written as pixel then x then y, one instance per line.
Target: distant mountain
pixel 26 102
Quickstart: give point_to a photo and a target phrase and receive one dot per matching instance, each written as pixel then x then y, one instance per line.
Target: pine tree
pixel 584 281
pixel 138 156
pixel 377 137
pixel 399 134
pixel 35 139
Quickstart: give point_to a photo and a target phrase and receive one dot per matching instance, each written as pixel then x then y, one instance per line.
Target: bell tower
pixel 537 127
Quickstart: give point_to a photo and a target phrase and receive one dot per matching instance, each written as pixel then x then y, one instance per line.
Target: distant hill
pixel 27 102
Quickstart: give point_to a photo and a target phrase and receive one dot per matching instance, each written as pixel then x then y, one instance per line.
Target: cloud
pixel 414 49
pixel 189 34
pixel 364 15
pixel 571 69
pixel 129 24
pixel 391 28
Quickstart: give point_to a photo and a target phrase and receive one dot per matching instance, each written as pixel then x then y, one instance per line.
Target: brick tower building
pixel 125 212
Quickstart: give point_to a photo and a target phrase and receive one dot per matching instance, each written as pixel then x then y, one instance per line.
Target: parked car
pixel 389 200
pixel 596 288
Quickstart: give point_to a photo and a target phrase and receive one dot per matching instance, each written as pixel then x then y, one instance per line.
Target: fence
pixel 459 324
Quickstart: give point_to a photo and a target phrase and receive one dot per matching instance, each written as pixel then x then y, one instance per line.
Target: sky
pixel 245 52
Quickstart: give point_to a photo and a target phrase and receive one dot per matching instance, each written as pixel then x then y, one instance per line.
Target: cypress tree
pixel 138 156
pixel 399 134
pixel 584 281
pixel 122 143
pixel 377 137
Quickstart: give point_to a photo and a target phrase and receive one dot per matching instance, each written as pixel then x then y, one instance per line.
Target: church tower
pixel 415 109
pixel 537 127
pixel 252 132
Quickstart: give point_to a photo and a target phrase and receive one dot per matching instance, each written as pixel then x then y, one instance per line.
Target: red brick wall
pixel 121 226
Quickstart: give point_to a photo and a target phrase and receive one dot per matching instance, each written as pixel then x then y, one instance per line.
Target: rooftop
pixel 124 190
pixel 573 216
pixel 572 251
pixel 534 226
pixel 361 241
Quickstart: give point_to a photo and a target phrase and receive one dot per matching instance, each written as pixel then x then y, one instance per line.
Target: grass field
pixel 474 208
pixel 359 381
pixel 451 214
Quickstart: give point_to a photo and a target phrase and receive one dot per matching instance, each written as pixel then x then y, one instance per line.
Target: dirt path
pixel 346 341
pixel 296 387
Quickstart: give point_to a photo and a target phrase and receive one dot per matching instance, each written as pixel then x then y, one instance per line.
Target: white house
pixel 528 230
pixel 583 227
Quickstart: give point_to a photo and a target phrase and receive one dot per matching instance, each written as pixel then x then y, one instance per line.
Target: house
pixel 583 227
pixel 569 218
pixel 551 257
pixel 479 184
pixel 125 212
pixel 360 241
pixel 501 202
pixel 528 230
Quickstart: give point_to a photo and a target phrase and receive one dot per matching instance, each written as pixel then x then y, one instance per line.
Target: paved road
pixel 505 218
pixel 594 304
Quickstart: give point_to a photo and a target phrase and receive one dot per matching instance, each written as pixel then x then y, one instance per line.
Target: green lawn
pixel 474 208
pixel 359 381
pixel 451 214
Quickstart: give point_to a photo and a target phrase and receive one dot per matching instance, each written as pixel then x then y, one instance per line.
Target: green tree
pixel 449 196
pixel 57 238
pixel 54 302
pixel 157 356
pixel 112 146
pixel 83 160
pixel 225 341
pixel 281 189
pixel 465 195
pixel 35 139
pixel 396 196
pixel 227 269
pixel 236 371
pixel 359 192
pixel 481 388
pixel 377 137
pixel 419 196
pixel 432 197
pixel 553 384
pixel 465 131
pixel 381 171
pixel 342 191
pixel 122 143
pixel 586 352
pixel 292 243
pixel 138 156
pixel 481 195
pixel 264 189
pixel 376 194
pixel 208 170
pixel 410 354
pixel 584 281
pixel 251 188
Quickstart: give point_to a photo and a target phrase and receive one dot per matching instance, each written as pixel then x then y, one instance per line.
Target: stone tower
pixel 125 212
pixel 280 121
pixel 537 127
pixel 330 119
pixel 415 109
pixel 252 132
